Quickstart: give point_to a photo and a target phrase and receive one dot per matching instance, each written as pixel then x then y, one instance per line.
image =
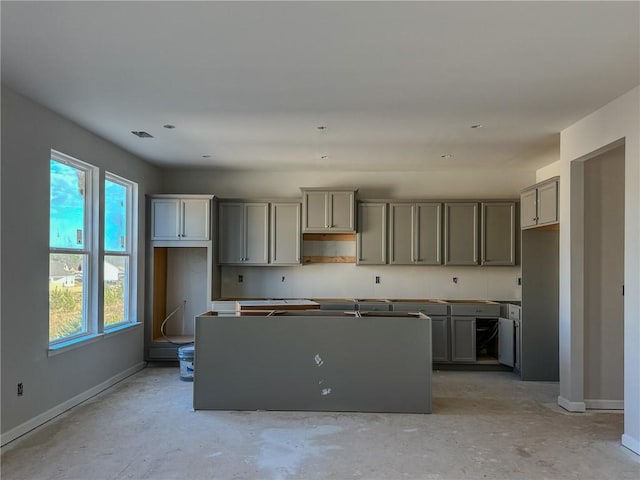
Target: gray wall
pixel 603 279
pixel 29 131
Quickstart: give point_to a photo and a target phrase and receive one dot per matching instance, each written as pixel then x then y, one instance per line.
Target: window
pixel 118 201
pixel 70 252
pixel 77 245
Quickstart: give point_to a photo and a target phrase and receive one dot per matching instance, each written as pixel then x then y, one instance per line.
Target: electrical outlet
pixel 240 278
pixel 283 278
pixel 519 280
pixel 377 279
pixel 20 389
pixel 455 280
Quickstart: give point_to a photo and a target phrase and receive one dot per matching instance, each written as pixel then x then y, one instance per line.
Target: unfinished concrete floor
pixel 484 425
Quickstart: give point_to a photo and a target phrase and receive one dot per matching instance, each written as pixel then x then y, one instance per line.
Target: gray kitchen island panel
pixel 314 361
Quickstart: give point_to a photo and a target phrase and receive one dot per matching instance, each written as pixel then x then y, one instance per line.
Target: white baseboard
pixel 631 443
pixel 44 417
pixel 604 404
pixel 571 406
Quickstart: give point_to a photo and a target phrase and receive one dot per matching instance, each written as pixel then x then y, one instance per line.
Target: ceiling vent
pixel 142 134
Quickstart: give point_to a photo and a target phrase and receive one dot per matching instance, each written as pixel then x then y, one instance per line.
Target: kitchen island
pixel 314 360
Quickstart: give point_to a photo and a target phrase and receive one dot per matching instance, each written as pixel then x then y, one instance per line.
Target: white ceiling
pixel 397 84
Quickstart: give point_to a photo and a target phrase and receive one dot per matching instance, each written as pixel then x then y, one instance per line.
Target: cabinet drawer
pixel 514 312
pixel 426 308
pixel 380 306
pixel 342 306
pixel 475 309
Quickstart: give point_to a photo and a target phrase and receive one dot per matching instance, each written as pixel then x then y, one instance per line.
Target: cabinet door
pixel 528 208
pixel 427 227
pixel 372 234
pixel 285 233
pixel 231 233
pixel 461 234
pixel 440 339
pixel 401 234
pixel 548 203
pixel 463 339
pixel 165 219
pixel 498 236
pixel 315 211
pixel 195 219
pixel 341 211
pixel 506 337
pixel 256 233
pixel 517 346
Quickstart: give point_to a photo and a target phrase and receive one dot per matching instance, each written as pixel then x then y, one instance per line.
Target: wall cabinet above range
pixel 328 211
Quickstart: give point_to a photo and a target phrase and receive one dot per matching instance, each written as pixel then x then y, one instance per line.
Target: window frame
pixel 91 172
pixel 94 227
pixel 130 252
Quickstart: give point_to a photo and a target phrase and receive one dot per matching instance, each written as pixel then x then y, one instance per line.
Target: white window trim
pixel 131 236
pixel 93 247
pixel 89 244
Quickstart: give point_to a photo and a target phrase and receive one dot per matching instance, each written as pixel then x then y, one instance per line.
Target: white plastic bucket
pixel 185 355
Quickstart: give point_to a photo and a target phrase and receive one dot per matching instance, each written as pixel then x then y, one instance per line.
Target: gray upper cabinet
pixel 415 233
pixel 371 243
pixel 498 233
pixel 183 218
pixel 285 233
pixel 328 211
pixel 243 233
pixel 539 204
pixel 461 234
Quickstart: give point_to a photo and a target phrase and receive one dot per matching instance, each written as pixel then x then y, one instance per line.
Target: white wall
pixel 620 119
pixel 29 131
pixel 450 184
pixel 336 280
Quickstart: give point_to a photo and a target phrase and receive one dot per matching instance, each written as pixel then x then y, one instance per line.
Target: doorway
pixel 603 280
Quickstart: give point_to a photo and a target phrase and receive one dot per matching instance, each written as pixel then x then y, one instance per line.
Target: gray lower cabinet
pixel 243 233
pixel 415 233
pixel 461 233
pixel 440 339
pixel 506 342
pixel 463 339
pixel 371 245
pixel 498 233
pixel 285 233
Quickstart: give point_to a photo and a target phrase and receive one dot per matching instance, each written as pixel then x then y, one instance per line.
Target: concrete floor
pixel 484 425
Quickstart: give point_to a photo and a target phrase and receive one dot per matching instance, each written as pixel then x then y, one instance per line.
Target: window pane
pixel 67 206
pixel 116 279
pixel 115 217
pixel 67 295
